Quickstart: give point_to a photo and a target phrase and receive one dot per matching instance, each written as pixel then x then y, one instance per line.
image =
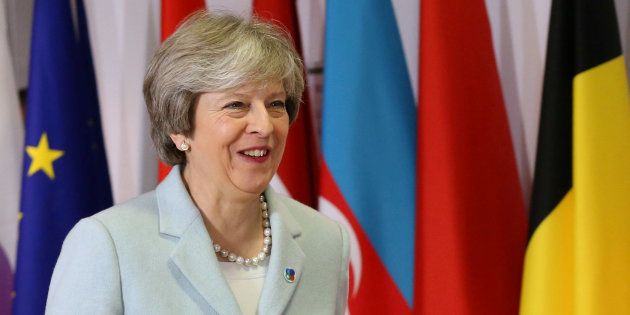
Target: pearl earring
pixel 184 146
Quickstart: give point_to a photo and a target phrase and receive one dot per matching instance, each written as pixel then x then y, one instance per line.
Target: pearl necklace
pixel 264 252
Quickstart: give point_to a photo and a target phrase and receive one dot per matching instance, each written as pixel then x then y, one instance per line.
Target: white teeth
pixel 256 153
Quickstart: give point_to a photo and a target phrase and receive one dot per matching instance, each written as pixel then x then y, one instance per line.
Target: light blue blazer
pixel 153 255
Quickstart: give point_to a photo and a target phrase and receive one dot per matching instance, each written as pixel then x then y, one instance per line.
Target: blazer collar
pixel 176 209
pixel 193 255
pixel 194 258
pixel 285 254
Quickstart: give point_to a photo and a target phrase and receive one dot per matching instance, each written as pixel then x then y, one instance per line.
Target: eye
pixel 234 105
pixel 277 105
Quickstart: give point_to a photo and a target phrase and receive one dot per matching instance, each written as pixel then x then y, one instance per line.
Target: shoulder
pixel 117 230
pixel 141 206
pixel 307 217
pixel 313 226
pixel 130 217
pixel 86 276
pixel 101 224
pixel 104 229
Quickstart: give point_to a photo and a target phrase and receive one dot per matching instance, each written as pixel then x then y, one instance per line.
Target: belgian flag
pixel 578 256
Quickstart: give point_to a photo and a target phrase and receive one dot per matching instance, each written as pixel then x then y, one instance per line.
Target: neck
pixel 231 219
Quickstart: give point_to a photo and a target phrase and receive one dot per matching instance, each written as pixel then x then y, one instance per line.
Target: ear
pixel 178 139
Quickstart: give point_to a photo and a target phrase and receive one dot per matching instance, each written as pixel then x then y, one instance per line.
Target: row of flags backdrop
pixel 418 163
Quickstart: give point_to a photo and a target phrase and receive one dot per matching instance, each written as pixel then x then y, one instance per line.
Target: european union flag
pixel 65 173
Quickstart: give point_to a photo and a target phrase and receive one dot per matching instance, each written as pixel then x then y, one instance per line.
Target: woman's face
pixel 239 137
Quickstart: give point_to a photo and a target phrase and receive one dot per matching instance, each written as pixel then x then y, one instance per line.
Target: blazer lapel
pixel 196 261
pixel 193 255
pixel 286 255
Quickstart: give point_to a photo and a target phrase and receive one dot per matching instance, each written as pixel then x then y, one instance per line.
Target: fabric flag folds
pixel 471 223
pixel 367 177
pixel 173 13
pixel 11 142
pixel 65 173
pixel 123 35
pixel 578 256
pixel 298 170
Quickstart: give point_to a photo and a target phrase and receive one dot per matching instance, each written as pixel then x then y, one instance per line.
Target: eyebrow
pixel 272 95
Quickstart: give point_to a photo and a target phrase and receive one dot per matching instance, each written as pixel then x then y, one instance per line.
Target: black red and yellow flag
pixel 578 256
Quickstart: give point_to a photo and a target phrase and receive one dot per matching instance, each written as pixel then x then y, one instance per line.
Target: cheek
pixel 282 131
pixel 213 139
pixel 221 131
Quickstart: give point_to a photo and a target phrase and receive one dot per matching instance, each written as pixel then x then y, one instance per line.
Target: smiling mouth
pixel 255 153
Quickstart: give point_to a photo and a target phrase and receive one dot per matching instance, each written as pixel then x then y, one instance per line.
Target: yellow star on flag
pixel 43 157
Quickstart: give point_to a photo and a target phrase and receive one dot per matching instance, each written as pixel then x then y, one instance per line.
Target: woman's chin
pixel 252 186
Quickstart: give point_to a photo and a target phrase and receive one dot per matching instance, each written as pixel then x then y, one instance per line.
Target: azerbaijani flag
pixel 578 256
pixel 367 179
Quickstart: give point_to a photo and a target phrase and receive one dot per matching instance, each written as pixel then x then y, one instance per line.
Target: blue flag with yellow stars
pixel 65 174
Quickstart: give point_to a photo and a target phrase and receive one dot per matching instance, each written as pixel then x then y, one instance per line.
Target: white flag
pixel 11 142
pixel 124 35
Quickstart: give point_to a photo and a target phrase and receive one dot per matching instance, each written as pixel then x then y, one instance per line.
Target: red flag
pixel 298 170
pixel 471 226
pixel 173 13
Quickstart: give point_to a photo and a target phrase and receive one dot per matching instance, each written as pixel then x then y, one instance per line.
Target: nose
pixel 259 121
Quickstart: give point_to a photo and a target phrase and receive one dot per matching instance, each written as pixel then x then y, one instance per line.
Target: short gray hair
pixel 214 53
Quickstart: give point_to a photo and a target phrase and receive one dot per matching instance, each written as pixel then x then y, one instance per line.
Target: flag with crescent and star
pixel 65 175
pixel 367 176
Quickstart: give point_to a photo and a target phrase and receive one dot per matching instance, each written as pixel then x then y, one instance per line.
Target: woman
pixel 213 238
